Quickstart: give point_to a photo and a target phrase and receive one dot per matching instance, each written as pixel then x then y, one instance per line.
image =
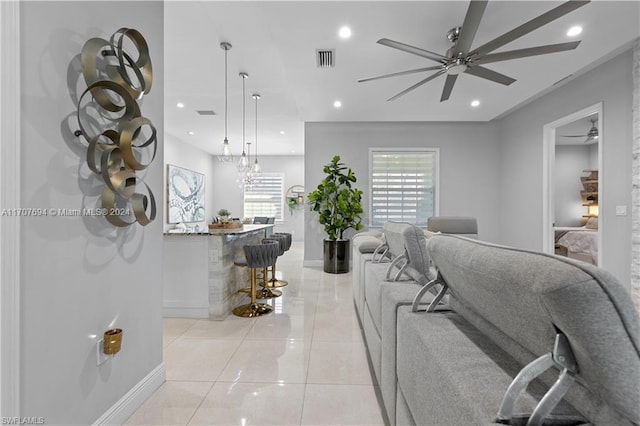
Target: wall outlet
pixel 621 210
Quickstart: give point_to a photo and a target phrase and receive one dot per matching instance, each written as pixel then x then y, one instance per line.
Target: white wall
pixel 468 166
pixel 570 162
pixel 185 155
pixel 80 275
pixel 227 194
pixel 521 160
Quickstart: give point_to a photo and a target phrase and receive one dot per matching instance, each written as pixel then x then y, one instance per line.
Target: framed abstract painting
pixel 185 200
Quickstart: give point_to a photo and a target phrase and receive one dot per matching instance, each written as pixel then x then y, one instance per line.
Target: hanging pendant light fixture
pixel 225 155
pixel 256 166
pixel 243 164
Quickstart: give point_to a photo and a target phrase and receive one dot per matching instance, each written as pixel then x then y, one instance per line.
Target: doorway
pixel 572 185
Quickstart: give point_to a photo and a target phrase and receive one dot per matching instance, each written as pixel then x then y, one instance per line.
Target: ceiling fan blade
pixel 573 136
pixel 470 26
pixel 529 26
pixel 523 53
pixel 395 74
pixel 413 50
pixel 415 86
pixel 488 74
pixel 448 87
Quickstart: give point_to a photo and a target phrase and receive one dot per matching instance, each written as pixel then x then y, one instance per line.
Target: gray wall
pixel 227 194
pixel 570 161
pixel 468 166
pixel 80 275
pixel 521 138
pixel 185 155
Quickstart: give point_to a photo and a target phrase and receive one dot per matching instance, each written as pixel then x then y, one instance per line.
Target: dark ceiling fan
pixel 592 134
pixel 460 58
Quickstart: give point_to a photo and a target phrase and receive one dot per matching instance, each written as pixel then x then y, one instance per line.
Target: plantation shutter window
pixel 403 186
pixel 265 196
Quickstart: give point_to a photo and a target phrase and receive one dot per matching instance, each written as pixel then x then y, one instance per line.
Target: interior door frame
pixel 10 199
pixel 549 155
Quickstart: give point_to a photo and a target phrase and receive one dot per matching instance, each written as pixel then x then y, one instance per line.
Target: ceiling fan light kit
pixel 461 59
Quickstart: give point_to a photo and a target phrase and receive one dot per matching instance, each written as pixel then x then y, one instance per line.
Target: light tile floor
pixel 303 364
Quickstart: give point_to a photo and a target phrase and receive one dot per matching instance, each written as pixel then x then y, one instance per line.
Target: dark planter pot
pixel 336 256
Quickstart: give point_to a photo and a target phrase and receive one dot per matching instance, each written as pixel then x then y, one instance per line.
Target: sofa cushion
pixel 459 225
pixel 367 242
pixel 449 373
pixel 374 277
pixel 526 297
pixel 409 241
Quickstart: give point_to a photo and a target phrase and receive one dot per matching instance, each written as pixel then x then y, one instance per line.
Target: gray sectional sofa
pixel 508 313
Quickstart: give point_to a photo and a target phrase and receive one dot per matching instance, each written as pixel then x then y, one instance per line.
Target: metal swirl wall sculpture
pixel 120 140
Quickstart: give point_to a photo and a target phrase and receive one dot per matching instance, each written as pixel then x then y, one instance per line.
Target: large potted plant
pixel 338 206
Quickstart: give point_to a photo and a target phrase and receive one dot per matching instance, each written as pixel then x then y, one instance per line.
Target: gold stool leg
pixel 265 292
pixel 273 282
pixel 252 309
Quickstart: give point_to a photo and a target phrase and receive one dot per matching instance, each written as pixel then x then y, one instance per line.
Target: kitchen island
pixel 200 278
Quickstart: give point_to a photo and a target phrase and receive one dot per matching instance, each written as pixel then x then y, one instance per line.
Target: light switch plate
pixel 621 210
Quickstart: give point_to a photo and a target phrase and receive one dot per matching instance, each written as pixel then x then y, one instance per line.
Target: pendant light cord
pixel 257 97
pixel 243 112
pixel 225 92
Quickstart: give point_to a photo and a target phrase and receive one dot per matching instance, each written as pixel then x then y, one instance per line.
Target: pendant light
pixel 243 163
pixel 225 153
pixel 256 166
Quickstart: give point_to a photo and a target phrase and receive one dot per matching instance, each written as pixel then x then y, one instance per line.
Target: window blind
pixel 403 186
pixel 265 196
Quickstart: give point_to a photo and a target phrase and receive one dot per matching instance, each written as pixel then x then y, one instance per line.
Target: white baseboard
pixel 185 312
pixel 185 309
pixel 313 263
pixel 132 400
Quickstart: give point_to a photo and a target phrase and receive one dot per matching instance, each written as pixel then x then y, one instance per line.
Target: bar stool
pixel 257 256
pixel 285 242
pixel 266 292
pixel 289 239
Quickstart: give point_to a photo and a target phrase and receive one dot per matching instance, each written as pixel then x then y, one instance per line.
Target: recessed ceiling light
pixel 475 103
pixel 337 104
pixel 180 105
pixel 345 32
pixel 191 133
pixel 282 132
pixel 574 31
pixel 293 151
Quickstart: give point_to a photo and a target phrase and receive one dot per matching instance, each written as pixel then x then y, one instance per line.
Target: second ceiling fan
pixel 460 58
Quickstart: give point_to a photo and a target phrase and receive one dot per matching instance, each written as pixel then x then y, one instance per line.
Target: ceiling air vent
pixel 206 112
pixel 325 58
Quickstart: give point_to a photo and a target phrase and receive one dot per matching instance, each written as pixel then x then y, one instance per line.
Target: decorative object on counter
pixel 120 140
pixel 339 207
pixel 112 341
pixel 224 215
pixel 185 200
pixel 224 221
pixel 225 154
pixel 295 198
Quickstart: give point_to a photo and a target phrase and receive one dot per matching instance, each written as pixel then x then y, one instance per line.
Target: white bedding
pixel 580 240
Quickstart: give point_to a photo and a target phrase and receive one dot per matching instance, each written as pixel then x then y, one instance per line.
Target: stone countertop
pixel 225 231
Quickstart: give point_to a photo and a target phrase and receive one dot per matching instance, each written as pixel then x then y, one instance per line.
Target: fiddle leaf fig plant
pixel 336 201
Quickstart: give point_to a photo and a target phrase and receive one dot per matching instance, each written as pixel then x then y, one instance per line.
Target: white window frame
pixel 278 219
pixel 436 198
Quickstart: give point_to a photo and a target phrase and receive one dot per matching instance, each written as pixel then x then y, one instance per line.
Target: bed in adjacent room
pixel 578 242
